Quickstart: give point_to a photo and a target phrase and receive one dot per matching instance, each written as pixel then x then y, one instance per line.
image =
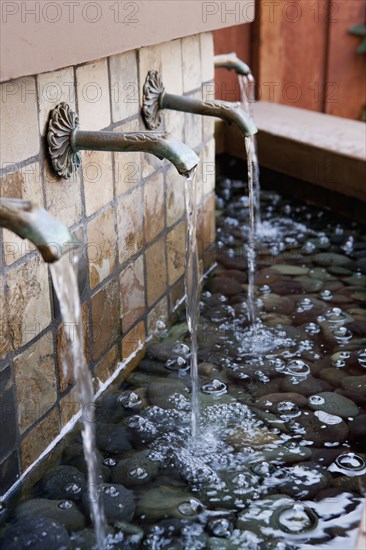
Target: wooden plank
pixel 233 39
pixel 314 147
pixel 292 52
pixel 346 68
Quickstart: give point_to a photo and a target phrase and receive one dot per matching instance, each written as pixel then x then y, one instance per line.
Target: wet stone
pixel 310 284
pixel 137 469
pixel 64 482
pixel 225 286
pixel 279 304
pixel 33 533
pixel 333 403
pixel 286 269
pixel 320 429
pixel 332 375
pixel 330 259
pixel 357 431
pixel 305 387
pixel 112 438
pixel 118 502
pixel 109 410
pixel 270 401
pixel 168 502
pixel 168 350
pixel 165 395
pixel 355 383
pixel 304 481
pixel 339 271
pixel 61 511
pixel 288 454
pixel 356 397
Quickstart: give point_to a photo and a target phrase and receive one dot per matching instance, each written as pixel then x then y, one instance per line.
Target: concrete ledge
pixel 325 150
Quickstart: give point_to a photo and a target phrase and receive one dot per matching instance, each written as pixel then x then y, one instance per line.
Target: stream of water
pixel 65 284
pixel 193 292
pixel 247 89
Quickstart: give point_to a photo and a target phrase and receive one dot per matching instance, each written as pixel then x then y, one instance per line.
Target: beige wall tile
pixel 127 166
pixel 154 206
pixel 176 250
pixel 132 341
pixel 191 52
pixel 124 85
pixel 64 336
pixel 150 58
pixel 171 66
pixel 193 127
pixel 35 381
pixel 208 168
pixel 174 123
pixel 5 344
pixel 207 56
pixel 24 184
pixel 92 88
pixel 106 367
pixel 98 180
pixel 38 439
pixel 63 196
pixel 19 132
pixel 132 289
pixel 105 318
pixel 130 215
pixel 156 271
pixel 28 300
pixel 158 313
pixel 54 88
pixel 69 406
pixel 101 247
pixel 175 185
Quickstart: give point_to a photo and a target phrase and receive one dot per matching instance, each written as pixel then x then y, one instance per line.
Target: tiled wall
pixel 126 209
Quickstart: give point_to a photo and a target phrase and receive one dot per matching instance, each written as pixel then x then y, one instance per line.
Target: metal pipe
pixel 30 221
pixel 155 99
pixel 65 140
pixel 232 62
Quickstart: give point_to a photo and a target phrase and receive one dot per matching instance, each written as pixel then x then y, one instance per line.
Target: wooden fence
pixel 301 54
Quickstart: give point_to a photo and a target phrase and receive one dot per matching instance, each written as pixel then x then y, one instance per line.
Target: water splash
pixel 65 284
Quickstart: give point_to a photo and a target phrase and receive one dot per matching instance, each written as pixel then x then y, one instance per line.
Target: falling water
pixel 65 283
pixel 247 90
pixel 193 292
pixel 252 159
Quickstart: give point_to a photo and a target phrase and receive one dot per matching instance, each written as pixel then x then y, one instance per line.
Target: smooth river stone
pixel 326 429
pixel 119 503
pixel 39 508
pixel 357 430
pixel 63 482
pixel 224 285
pixel 310 284
pixel 304 481
pixel 306 387
pixel 285 287
pixel 330 259
pixel 287 455
pixel 286 269
pixel 164 351
pixel 340 271
pixel 279 304
pixel 164 502
pixel 334 404
pixel 32 533
pixel 267 276
pixel 271 400
pixel 163 394
pixel 121 472
pixel 355 383
pixel 112 438
pixel 333 376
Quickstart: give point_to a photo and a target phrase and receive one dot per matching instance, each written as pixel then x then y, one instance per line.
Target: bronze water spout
pixel 232 62
pixel 30 221
pixel 155 99
pixel 65 140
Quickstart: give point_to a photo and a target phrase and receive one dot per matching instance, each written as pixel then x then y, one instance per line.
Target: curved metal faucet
pixel 30 221
pixel 155 99
pixel 232 62
pixel 65 140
